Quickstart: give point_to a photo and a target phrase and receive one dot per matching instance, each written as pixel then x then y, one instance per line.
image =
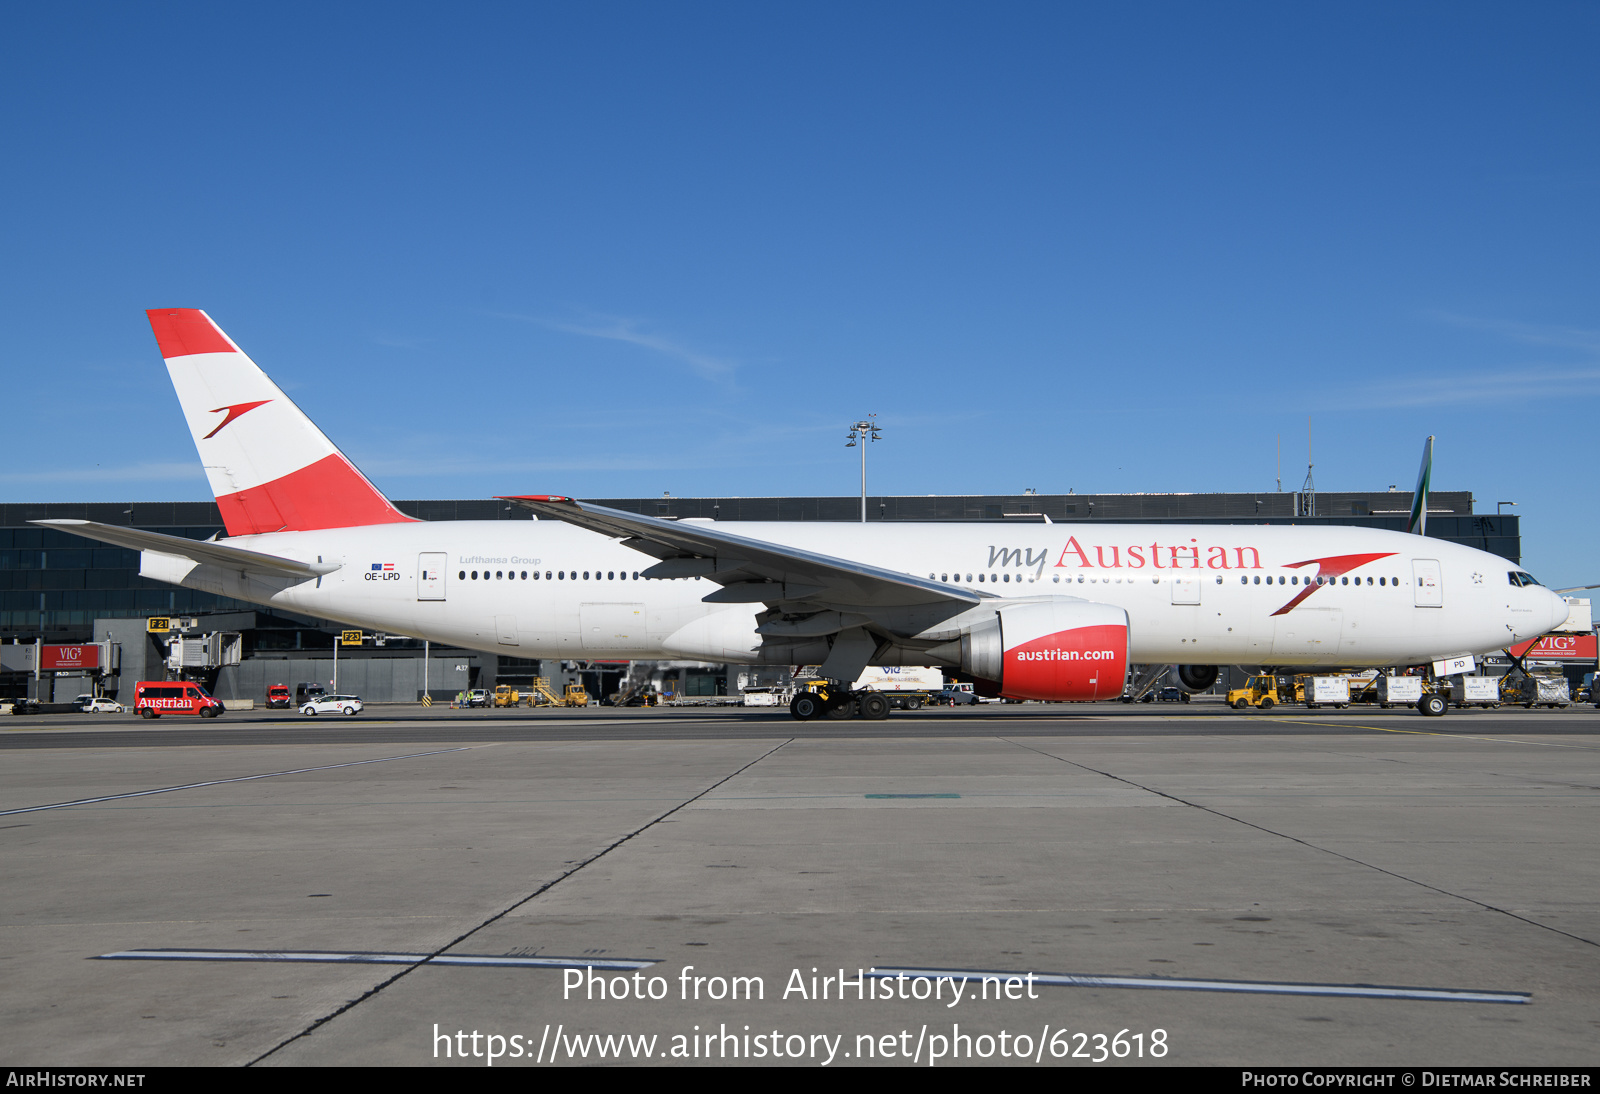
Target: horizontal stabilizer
pixel 211 554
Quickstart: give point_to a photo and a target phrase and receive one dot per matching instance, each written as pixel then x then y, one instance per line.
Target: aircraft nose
pixel 1559 610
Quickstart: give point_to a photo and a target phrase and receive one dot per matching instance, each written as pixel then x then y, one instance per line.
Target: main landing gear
pixel 839 703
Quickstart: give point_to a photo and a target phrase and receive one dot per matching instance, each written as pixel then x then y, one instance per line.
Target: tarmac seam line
pixel 508 909
pixel 1312 846
pixel 223 782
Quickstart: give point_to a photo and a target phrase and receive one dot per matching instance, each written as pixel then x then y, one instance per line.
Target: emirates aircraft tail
pixel 270 468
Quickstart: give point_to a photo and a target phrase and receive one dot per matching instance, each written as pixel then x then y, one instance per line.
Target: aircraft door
pixel 1427 583
pixel 612 626
pixel 430 575
pixel 1186 590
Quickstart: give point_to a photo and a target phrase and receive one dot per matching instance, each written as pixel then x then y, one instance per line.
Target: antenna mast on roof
pixel 1308 492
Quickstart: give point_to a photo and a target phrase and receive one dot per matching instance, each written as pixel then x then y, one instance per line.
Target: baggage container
pixel 1399 691
pixel 1329 691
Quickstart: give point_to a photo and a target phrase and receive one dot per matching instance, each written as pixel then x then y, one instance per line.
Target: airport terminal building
pixel 57 589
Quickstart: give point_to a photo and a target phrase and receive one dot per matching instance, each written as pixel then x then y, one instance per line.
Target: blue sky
pixel 613 249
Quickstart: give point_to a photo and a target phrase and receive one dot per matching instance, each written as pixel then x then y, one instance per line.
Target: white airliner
pixel 1043 611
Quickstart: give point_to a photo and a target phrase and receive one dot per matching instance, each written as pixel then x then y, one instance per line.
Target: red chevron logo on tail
pixel 233 412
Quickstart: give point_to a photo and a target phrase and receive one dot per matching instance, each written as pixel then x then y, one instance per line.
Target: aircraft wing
pixel 212 554
pixel 753 571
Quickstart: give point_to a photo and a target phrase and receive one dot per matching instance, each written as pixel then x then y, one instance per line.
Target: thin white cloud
pixel 1516 384
pixel 616 329
pixel 430 468
pixel 1537 334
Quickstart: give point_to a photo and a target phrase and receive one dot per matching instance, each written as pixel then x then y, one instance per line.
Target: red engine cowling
pixel 1054 649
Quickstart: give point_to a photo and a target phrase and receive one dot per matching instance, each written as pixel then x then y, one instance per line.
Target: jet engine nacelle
pixel 1197 677
pixel 1053 648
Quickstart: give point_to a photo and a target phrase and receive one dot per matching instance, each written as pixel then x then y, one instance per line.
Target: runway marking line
pixel 223 782
pixel 1069 980
pixel 1259 987
pixel 364 957
pixel 1436 733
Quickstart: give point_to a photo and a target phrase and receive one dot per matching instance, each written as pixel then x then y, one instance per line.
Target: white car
pixel 332 704
pixel 103 706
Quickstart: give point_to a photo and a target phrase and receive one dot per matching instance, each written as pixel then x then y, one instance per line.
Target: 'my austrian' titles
pixel 1182 556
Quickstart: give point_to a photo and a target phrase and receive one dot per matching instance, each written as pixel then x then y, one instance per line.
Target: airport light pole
pixel 863 431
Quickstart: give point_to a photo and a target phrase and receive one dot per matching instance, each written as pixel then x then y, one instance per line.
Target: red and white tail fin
pixel 271 469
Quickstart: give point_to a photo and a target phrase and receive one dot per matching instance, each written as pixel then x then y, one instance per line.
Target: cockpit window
pixel 1519 579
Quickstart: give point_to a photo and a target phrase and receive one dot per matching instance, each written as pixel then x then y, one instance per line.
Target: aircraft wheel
pixel 806 706
pixel 841 709
pixel 1432 706
pixel 1266 704
pixel 874 707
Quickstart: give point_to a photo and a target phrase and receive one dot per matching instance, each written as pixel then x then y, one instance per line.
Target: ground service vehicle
pixel 303 693
pixel 278 696
pixel 507 696
pixel 1053 612
pixel 1172 694
pixel 102 706
pixel 906 687
pixel 1538 690
pixel 153 698
pixel 332 704
pixel 1258 691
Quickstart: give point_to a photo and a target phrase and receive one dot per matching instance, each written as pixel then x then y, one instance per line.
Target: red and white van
pixel 154 698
